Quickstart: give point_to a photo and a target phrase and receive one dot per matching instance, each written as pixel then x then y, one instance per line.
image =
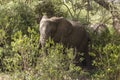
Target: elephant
pixel 99 28
pixel 70 33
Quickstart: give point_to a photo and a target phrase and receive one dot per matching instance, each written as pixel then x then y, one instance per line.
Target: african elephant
pixel 99 28
pixel 69 33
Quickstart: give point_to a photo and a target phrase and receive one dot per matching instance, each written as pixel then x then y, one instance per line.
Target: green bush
pixel 2 37
pixel 21 57
pixel 107 49
pixel 49 7
pixel 54 66
pixel 22 53
pixel 15 17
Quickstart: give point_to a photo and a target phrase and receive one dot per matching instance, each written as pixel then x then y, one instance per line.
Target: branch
pixel 68 8
pixel 114 10
pixel 104 4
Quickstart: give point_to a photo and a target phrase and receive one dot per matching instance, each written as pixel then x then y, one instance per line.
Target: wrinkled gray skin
pixel 69 33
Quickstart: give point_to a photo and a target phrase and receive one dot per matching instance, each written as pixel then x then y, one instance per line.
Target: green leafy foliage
pixel 50 8
pixel 21 57
pixel 106 50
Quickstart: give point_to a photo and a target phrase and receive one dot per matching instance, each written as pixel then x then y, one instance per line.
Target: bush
pixel 21 58
pixel 107 49
pixel 57 64
pixel 54 66
pixel 50 8
pixel 22 52
pixel 2 37
pixel 15 17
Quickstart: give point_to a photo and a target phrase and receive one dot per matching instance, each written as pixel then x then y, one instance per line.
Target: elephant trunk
pixel 43 40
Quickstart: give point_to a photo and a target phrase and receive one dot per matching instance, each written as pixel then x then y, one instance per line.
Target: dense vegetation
pixel 21 58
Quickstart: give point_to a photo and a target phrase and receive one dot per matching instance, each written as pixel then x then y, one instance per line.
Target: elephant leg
pixel 88 59
pixel 87 62
pixel 77 58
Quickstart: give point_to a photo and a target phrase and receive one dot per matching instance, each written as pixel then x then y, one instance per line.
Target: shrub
pixel 107 49
pixel 22 53
pixel 15 17
pixel 49 7
pixel 56 65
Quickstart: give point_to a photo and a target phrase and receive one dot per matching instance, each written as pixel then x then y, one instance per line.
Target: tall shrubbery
pixel 20 53
pixel 50 8
pixel 107 51
pixel 15 17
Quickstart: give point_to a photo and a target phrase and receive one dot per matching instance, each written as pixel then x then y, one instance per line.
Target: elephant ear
pixel 64 27
pixel 44 18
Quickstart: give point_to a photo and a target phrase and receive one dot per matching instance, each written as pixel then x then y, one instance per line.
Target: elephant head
pixel 99 28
